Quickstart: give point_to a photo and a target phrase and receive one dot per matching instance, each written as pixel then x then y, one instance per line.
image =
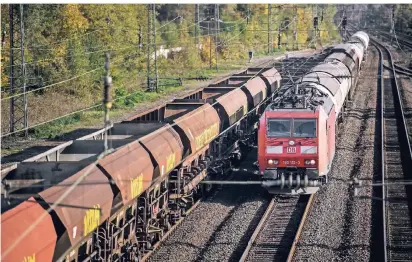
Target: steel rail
pixel 304 202
pixel 300 229
pixel 148 255
pixel 257 230
pixel 382 130
pixel 404 150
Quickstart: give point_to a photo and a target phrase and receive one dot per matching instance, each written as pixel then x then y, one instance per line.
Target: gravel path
pixel 216 229
pixel 339 226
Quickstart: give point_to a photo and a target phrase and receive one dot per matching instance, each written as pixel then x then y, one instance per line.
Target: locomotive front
pixel 288 151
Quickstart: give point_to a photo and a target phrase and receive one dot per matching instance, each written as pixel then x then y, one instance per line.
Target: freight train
pixel 297 131
pixel 136 193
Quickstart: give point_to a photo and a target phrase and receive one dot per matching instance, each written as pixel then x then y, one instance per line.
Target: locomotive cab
pixel 297 131
pixel 288 152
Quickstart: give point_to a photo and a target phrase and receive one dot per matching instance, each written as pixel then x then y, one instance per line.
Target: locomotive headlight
pixel 310 162
pixel 291 143
pixel 273 162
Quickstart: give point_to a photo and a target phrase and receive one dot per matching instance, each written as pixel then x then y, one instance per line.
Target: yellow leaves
pixel 72 18
pixel 303 24
pixel 207 45
pixel 259 9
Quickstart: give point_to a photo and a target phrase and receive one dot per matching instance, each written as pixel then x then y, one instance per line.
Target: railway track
pixel 212 241
pixel 396 165
pixel 279 230
pixel 150 211
pixel 406 42
pixel 403 70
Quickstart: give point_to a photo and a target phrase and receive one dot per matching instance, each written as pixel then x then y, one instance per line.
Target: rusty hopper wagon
pixel 137 192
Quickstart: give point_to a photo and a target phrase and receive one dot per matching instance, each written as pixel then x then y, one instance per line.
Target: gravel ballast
pixel 220 227
pixel 215 230
pixel 339 226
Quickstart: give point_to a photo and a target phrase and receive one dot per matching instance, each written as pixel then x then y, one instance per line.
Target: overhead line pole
pixel 152 74
pixel 197 26
pixel 295 25
pixel 107 100
pixel 18 104
pixel 279 33
pixel 210 44
pixel 217 30
pixel 269 28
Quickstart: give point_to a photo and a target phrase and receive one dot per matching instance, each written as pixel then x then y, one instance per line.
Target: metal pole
pixel 210 45
pixel 217 31
pixel 279 38
pixel 392 23
pixel 149 86
pixel 23 72
pixel 295 33
pixel 197 25
pixel 152 73
pixel 247 13
pixel 18 104
pixel 107 101
pixel 140 38
pixel 154 45
pixel 12 79
pixel 269 28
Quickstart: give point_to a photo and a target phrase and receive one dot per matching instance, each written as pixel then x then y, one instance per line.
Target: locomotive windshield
pixel 291 127
pixel 279 127
pixel 304 128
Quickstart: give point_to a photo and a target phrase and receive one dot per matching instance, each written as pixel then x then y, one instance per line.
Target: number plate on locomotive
pixel 291 162
pixel 291 149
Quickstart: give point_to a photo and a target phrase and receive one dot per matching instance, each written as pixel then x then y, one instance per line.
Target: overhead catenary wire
pixel 51 85
pixel 62 184
pixel 58 83
pixel 103 50
pixel 83 176
pixel 71 188
pixel 99 51
pixel 75 112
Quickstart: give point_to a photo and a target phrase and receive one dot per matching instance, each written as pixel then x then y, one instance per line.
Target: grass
pixel 124 104
pixel 126 99
pixel 10 151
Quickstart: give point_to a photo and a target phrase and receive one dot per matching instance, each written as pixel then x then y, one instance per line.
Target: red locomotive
pixel 297 132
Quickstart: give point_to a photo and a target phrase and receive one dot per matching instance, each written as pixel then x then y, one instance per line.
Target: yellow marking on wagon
pixel 137 186
pixel 206 136
pixel 91 220
pixel 170 162
pixel 31 258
